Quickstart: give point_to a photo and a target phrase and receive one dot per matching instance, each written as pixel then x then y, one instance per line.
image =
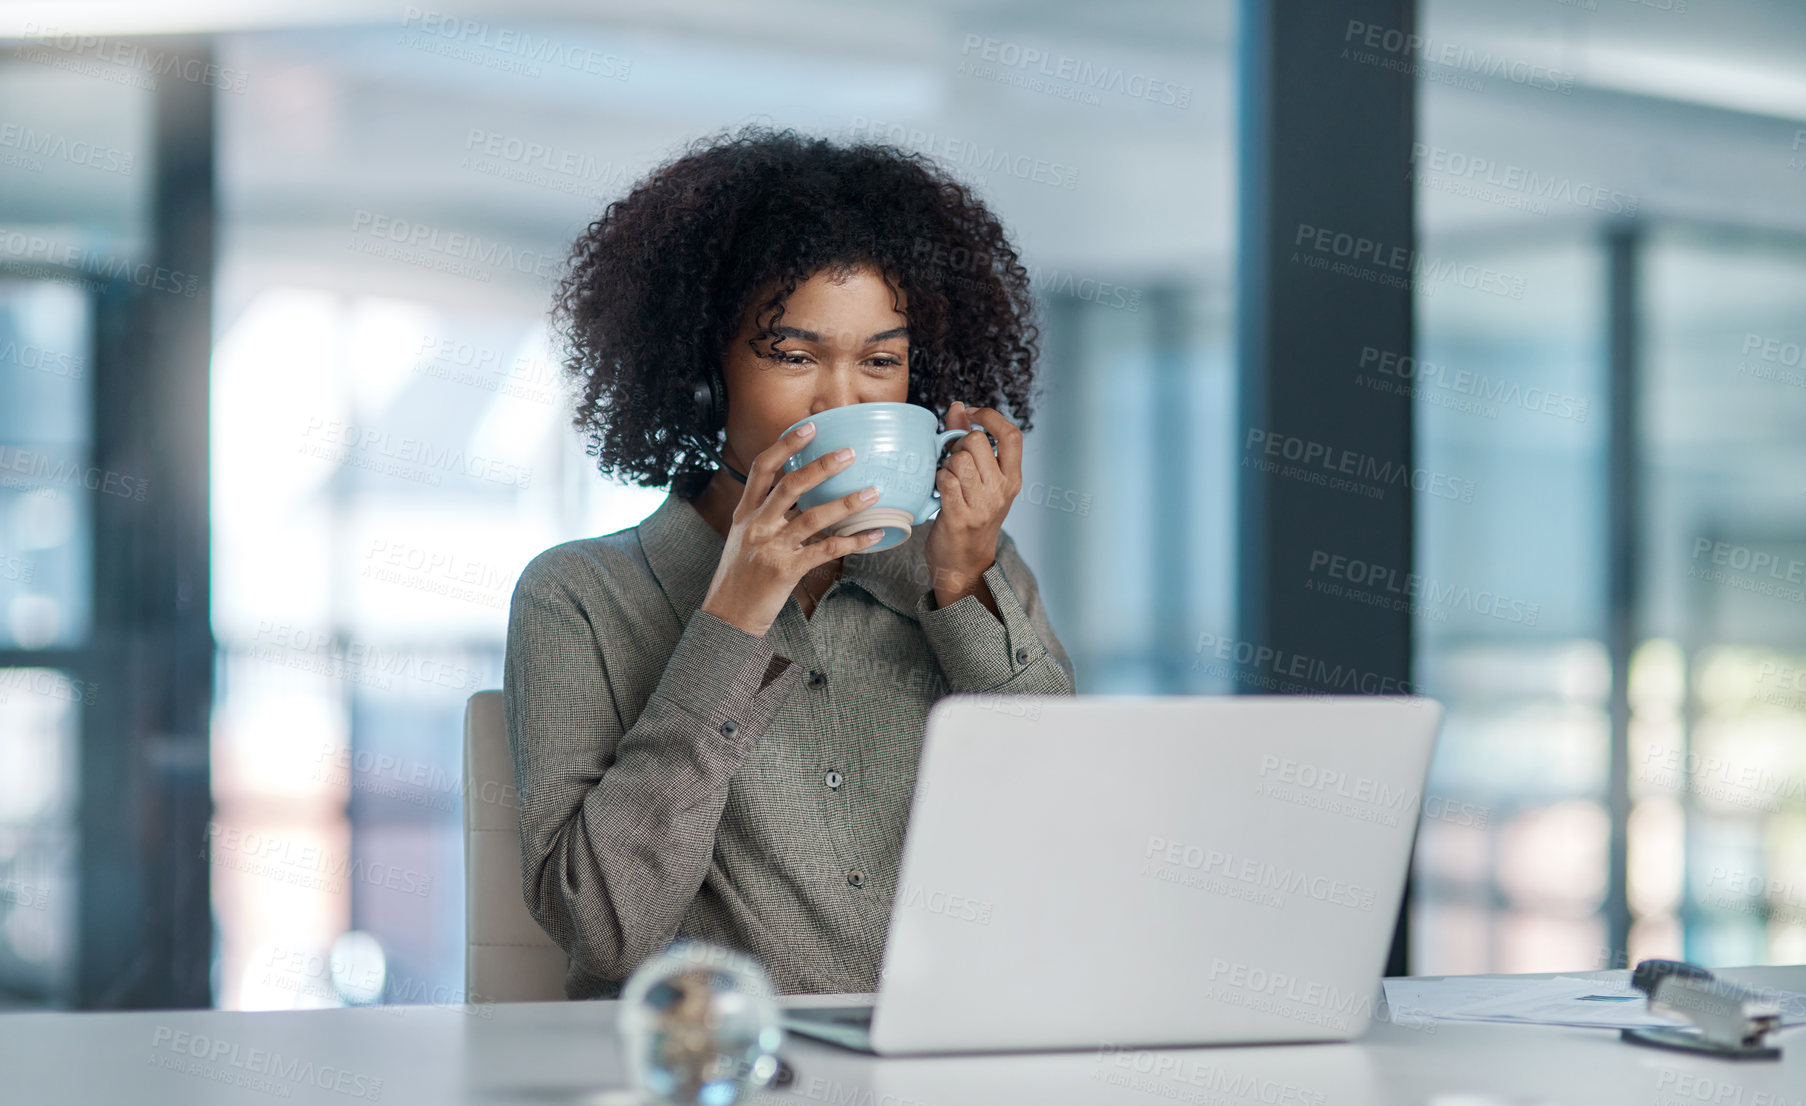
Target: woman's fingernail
pixel 873 535
pixel 806 429
pixel 868 494
pixel 844 453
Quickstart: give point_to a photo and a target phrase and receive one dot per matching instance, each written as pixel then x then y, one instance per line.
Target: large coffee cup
pixel 896 447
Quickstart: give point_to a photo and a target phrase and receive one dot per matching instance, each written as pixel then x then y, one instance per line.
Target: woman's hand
pixel 769 549
pixel 977 488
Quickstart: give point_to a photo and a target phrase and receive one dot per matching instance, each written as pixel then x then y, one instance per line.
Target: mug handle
pixel 941 441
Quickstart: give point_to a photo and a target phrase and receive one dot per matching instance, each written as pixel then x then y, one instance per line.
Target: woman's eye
pixel 791 357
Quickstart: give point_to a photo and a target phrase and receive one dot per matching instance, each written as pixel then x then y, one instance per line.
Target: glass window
pixel 73 171
pixel 45 525
pixel 45 520
pixel 1718 752
pixel 40 715
pixel 1694 166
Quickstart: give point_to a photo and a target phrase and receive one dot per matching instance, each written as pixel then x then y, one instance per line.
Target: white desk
pixel 564 1053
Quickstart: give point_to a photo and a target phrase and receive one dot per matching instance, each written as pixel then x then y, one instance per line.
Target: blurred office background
pixel 387 440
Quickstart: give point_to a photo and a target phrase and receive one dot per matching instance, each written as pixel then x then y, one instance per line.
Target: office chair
pixel 507 957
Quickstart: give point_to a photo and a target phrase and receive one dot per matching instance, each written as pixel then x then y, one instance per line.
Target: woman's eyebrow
pixel 811 336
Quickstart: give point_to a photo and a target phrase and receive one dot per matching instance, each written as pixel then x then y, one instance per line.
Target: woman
pixel 716 717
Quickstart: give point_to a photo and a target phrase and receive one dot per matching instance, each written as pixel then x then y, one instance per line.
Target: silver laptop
pixel 1145 871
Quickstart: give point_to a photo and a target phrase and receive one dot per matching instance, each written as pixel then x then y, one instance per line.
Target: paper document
pixel 1417 1003
pixel 1610 1003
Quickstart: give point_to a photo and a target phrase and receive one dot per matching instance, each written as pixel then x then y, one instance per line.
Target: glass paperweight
pixel 699 1024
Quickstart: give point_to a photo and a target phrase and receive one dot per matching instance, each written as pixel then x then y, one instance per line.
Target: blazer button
pixel 817 680
pixel 729 729
pixel 833 781
pixel 856 878
pixel 1022 656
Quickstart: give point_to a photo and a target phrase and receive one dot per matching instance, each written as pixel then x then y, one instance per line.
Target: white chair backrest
pixel 507 957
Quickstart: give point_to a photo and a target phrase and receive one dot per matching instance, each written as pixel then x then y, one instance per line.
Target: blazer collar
pixel 683 551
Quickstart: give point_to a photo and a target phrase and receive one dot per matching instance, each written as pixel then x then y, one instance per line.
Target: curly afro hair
pixel 657 286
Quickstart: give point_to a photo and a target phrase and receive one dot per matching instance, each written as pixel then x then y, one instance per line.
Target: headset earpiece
pixel 710 396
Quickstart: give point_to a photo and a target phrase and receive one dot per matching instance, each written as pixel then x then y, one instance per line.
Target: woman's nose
pixel 835 392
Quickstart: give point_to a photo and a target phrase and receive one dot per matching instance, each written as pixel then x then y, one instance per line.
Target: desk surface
pixel 564 1053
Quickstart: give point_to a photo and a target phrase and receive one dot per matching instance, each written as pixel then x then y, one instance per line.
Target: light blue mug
pixel 896 447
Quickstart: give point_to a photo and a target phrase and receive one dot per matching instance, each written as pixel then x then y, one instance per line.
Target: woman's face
pixel 838 343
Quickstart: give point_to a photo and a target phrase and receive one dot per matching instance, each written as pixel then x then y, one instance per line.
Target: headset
pixel 710 397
